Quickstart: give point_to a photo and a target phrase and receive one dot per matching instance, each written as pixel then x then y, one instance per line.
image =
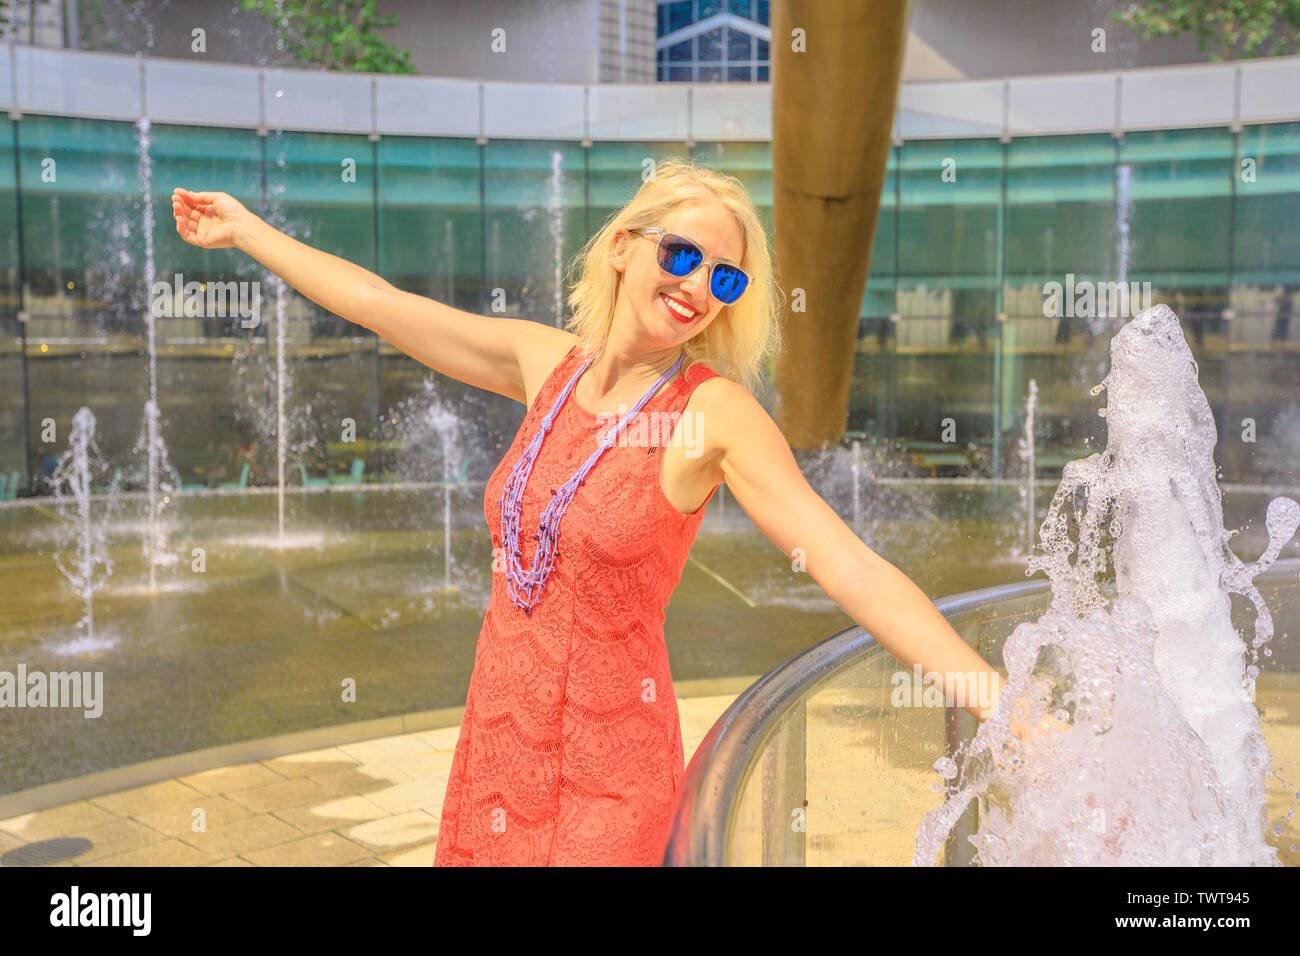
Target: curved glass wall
pixel 952 328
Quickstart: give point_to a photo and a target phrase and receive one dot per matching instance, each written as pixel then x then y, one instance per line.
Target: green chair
pixel 312 482
pixel 181 486
pixel 353 477
pixel 15 481
pixel 4 480
pixel 462 474
pixel 242 483
pixel 112 484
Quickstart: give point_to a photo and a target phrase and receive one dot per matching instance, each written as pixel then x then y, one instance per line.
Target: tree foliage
pixel 335 34
pixel 1226 28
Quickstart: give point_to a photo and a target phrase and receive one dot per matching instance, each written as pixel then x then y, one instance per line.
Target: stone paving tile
pixel 363 779
pixel 389 750
pixel 443 738
pixel 431 764
pixel 66 820
pixel 395 833
pixel 169 852
pixel 409 796
pixel 222 780
pixel 333 814
pixel 382 800
pixel 115 837
pixel 237 839
pixel 155 796
pixel 421 855
pixel 281 796
pixel 321 849
pixel 178 820
pixel 310 763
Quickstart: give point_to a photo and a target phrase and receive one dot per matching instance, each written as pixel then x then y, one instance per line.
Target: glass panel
pixel 1172 193
pixel 1170 96
pixel 710 45
pixel 534 221
pixel 1061 227
pixel 199 355
pixel 732 112
pixel 637 112
pixel 1263 373
pixel 1270 88
pixel 13 431
pixel 317 100
pixel 740 45
pixel 83 256
pixel 740 74
pixel 680 51
pixel 533 110
pixel 679 15
pixel 229 92
pixel 948 269
pixel 1034 104
pixel 968 107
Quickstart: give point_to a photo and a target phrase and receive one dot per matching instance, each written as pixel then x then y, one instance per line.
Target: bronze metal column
pixel 836 66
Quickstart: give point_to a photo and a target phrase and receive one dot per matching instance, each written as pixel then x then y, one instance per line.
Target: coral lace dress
pixel 570 751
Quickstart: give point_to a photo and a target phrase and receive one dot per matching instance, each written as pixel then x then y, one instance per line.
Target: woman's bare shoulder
pixel 540 349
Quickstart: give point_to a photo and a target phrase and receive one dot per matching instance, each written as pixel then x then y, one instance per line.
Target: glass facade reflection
pixel 953 321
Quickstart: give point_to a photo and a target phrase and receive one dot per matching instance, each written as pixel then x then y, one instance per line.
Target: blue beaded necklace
pixel 525 587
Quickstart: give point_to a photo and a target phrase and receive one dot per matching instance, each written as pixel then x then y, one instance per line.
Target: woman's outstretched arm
pixel 490 352
pixel 759 469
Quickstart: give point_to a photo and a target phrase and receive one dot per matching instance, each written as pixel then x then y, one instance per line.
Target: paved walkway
pixel 373 803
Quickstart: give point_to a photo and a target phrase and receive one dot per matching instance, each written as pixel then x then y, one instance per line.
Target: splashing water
pixel 1026 452
pixel 83 556
pixel 158 485
pixel 1144 746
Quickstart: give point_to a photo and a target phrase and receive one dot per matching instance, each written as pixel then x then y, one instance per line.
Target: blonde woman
pixel 570 751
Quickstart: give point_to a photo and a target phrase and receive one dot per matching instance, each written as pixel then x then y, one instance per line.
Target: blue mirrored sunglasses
pixel 680 257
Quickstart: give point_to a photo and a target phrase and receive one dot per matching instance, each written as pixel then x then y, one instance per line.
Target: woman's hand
pixel 207 220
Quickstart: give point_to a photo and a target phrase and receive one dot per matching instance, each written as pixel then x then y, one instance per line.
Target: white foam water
pixel 1143 744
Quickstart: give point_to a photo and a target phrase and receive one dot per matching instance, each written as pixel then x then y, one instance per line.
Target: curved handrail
pixel 710 791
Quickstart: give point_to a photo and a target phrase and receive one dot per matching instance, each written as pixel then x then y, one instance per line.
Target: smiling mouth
pixel 677 309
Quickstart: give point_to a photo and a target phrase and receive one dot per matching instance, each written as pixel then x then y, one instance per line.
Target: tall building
pixel 720 41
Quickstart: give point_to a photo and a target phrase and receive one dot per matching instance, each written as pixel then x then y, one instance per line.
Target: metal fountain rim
pixel 706 809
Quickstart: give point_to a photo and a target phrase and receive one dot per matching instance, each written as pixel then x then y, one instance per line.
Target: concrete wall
pixel 984 38
pixel 551 41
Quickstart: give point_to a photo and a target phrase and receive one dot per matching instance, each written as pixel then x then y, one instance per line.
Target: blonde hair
pixel 740 340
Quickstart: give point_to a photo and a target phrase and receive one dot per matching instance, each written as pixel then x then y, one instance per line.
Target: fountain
pixel 857 483
pixel 555 212
pixel 89 565
pixel 1025 451
pixel 1143 744
pixel 429 428
pixel 150 441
